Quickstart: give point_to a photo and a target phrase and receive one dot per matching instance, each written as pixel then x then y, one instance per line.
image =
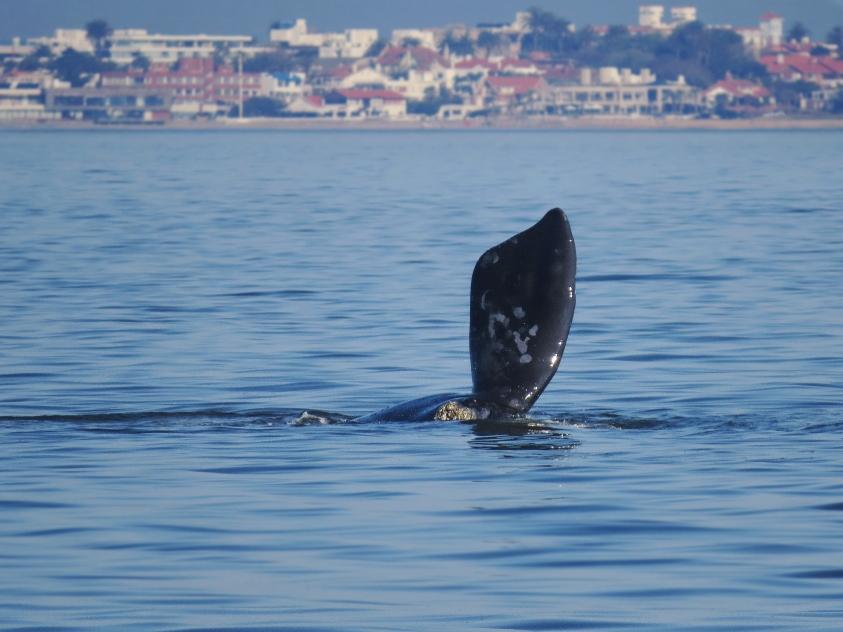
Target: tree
pixel 837 103
pixel 547 32
pixel 41 57
pixel 270 63
pixel 376 48
pixel 704 55
pixel 78 68
pixel 489 41
pixel 798 32
pixel 835 36
pixel 139 60
pixel 457 45
pixel 98 32
pixel 431 103
pixel 260 107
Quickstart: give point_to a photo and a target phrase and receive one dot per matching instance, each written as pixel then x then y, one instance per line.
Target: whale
pixel 523 294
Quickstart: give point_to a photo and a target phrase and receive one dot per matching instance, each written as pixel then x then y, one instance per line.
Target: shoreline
pixel 502 124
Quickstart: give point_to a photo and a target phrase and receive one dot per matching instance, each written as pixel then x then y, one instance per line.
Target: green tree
pixel 139 60
pixel 837 103
pixel 376 48
pixel 789 94
pixel 489 41
pixel 98 32
pixel 704 55
pixel 262 107
pixel 835 36
pixel 78 68
pixel 798 32
pixel 41 57
pixel 431 103
pixel 547 32
pixel 457 45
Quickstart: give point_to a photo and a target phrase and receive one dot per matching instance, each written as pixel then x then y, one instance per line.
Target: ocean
pixel 190 321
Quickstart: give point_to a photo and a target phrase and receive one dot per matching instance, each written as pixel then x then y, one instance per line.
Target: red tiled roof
pixel 423 57
pixel 474 62
pixel 770 16
pixel 741 87
pixel 314 100
pixel 516 85
pixel 805 65
pixel 359 93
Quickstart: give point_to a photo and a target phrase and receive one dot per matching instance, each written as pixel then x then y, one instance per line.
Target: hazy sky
pixel 252 17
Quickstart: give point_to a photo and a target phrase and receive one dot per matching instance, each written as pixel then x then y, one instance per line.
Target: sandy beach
pixel 579 123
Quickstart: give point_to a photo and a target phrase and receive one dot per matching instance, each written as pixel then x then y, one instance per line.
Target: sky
pixel 252 17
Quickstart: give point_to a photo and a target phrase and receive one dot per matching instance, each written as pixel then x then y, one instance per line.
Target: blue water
pixel 188 321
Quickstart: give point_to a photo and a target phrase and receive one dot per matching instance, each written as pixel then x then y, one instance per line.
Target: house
pixel 62 39
pixel 508 91
pixel 22 95
pixel 128 44
pixel 400 59
pixel 370 103
pixel 350 44
pixel 108 105
pixel 739 95
pixel 824 71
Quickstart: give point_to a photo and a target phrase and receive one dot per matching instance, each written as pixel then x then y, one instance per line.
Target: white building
pixel 650 15
pixel 127 44
pixel 350 44
pixel 772 29
pixel 62 39
pixel 424 37
pixel 21 95
pixel 682 15
pixel 768 33
pixel 612 76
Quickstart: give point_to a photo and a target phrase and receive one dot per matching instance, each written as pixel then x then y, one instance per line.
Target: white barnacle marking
pixel 570 291
pixel 525 358
pixel 483 299
pixel 496 317
pixel 554 359
pixel 518 312
pixel 534 330
pixel 521 344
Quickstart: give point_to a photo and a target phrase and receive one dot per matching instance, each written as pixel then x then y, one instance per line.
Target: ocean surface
pixel 190 321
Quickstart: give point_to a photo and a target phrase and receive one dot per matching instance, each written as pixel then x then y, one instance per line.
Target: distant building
pixel 682 15
pixel 768 34
pixel 15 51
pixel 62 39
pixel 350 44
pixel 21 95
pixel 739 95
pixel 419 37
pixel 613 92
pixel 195 87
pixel 108 105
pixel 128 44
pixel 351 103
pixel 772 29
pixel 651 17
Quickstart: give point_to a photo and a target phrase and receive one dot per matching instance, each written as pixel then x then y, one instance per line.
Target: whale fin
pixel 523 293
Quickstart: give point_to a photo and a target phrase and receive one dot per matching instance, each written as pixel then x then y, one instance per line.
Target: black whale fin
pixel 523 293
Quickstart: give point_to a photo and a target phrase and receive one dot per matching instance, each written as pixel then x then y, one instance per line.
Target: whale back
pixel 523 293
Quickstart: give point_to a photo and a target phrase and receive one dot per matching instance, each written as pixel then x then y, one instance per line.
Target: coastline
pixel 514 124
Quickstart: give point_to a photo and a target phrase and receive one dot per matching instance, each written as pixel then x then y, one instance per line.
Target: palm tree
pixel 98 32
